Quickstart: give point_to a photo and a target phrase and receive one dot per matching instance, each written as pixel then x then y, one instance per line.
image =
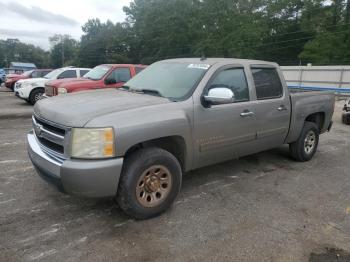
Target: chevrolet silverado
pixel 135 143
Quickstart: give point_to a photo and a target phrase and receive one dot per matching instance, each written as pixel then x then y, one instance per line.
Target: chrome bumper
pixel 87 178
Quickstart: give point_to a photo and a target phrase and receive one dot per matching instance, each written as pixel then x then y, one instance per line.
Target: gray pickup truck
pixel 177 115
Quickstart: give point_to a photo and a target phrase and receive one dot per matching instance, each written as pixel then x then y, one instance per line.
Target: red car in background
pixel 11 79
pixel 102 76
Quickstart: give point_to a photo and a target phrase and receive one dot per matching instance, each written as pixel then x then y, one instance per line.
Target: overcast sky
pixel 33 21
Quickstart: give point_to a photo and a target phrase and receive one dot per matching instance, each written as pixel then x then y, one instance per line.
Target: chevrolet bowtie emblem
pixel 38 129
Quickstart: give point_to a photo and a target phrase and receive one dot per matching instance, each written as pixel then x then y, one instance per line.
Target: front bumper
pixel 9 84
pixel 87 178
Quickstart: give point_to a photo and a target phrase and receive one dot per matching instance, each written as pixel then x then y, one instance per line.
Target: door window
pixel 267 83
pixel 44 72
pixel 83 72
pixel 120 75
pixel 68 74
pixel 35 74
pixel 138 69
pixel 235 80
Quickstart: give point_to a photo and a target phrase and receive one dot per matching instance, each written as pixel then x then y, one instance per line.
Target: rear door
pixel 272 107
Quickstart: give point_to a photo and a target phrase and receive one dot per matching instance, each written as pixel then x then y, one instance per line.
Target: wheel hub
pixel 310 142
pixel 153 186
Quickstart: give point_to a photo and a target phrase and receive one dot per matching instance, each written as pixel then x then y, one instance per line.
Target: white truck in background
pixel 32 89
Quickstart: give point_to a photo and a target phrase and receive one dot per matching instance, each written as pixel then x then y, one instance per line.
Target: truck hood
pixel 73 83
pixel 76 109
pixel 14 76
pixel 39 81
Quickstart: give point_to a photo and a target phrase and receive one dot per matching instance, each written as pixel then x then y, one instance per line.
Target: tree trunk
pixel 337 6
pixel 347 14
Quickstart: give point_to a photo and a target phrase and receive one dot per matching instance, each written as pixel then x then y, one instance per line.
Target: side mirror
pixel 220 96
pixel 110 81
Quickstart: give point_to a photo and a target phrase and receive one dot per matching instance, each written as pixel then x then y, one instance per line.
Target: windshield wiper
pixel 127 88
pixel 146 91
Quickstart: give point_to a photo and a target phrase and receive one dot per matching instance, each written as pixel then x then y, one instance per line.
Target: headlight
pixel 93 143
pixel 61 91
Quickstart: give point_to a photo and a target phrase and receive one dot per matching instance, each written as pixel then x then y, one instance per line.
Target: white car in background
pixel 32 89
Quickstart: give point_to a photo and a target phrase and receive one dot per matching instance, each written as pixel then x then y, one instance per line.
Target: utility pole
pixel 62 50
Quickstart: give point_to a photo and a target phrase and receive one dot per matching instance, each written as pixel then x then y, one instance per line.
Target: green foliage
pixel 285 31
pixel 64 50
pixel 103 43
pixel 12 50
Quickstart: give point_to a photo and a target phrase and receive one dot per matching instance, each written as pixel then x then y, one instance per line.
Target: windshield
pixel 168 79
pixel 98 72
pixel 53 74
pixel 27 73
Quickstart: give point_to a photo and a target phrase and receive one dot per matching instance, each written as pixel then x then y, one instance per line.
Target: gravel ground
pixel 264 207
pixel 12 106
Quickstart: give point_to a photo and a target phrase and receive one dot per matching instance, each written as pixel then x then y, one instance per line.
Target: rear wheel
pixel 36 95
pixel 150 182
pixel 306 146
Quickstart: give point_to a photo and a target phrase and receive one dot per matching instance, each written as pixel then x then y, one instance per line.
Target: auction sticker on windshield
pixel 199 66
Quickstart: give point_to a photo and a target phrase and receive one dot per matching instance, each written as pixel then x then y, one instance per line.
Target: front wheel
pixel 306 146
pixel 150 182
pixel 36 95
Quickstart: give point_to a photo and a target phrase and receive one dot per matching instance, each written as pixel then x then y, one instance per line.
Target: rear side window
pixel 120 75
pixel 235 80
pixel 43 73
pixel 35 74
pixel 267 83
pixel 138 69
pixel 68 74
pixel 83 72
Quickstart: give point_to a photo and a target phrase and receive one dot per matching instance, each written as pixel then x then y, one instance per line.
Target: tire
pixel 138 196
pixel 35 95
pixel 346 118
pixel 306 146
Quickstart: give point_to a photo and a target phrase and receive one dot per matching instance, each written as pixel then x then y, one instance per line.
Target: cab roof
pixel 212 61
pixel 123 65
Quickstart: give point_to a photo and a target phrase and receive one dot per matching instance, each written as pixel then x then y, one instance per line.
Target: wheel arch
pixel 175 145
pixel 317 118
pixel 36 88
pixel 297 124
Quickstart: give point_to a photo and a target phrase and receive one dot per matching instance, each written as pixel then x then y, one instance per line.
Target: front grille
pixel 51 137
pixel 49 90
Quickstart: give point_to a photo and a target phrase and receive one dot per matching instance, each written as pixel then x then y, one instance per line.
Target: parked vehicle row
pixel 33 89
pixel 135 142
pixel 102 76
pixel 11 79
pixel 35 84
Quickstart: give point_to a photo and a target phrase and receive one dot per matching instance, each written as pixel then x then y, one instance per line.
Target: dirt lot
pixel 264 207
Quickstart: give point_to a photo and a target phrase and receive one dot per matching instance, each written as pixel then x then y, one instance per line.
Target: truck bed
pixel 304 104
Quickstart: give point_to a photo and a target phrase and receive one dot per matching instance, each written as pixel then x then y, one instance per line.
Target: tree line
pixel 289 32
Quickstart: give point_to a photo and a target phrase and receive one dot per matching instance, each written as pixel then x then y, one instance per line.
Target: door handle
pixel 247 114
pixel 282 108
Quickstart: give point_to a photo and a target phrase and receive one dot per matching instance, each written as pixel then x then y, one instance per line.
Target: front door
pixel 226 131
pixel 121 75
